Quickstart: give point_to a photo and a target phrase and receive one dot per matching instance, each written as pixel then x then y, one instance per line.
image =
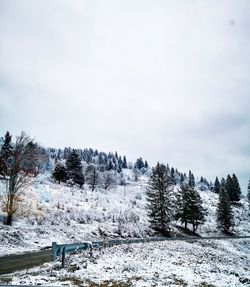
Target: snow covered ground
pixel 52 212
pixel 170 263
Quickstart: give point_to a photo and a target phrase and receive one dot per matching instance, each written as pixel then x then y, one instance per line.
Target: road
pixel 13 263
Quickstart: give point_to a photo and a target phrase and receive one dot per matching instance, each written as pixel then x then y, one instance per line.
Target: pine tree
pixel 182 179
pixel 229 187
pixel 120 164
pixel 172 175
pixel 236 191
pixel 139 164
pixel 224 211
pixel 168 169
pixel 216 188
pixel 223 182
pixel 233 188
pixel 110 166
pixel 191 180
pixel 190 208
pixel 60 172
pixel 74 168
pixel 124 162
pixel 5 154
pixel 159 205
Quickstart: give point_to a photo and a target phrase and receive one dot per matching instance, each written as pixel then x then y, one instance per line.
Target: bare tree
pixel 92 176
pixel 22 164
pixel 137 173
pixel 108 179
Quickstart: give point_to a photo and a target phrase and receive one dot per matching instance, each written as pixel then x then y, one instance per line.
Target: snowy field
pixel 205 264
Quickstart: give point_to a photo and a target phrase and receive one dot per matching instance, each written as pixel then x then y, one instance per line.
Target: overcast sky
pixel 165 80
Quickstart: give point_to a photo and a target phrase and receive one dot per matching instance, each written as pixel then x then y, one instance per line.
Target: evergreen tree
pixel 5 154
pixel 59 155
pixel 229 187
pixel 74 168
pixel 216 188
pixel 159 205
pixel 191 180
pixel 168 169
pixel 124 162
pixel 78 178
pixel 139 164
pixel 223 182
pixel 224 211
pixel 172 175
pixel 190 208
pixel 110 166
pixel 236 191
pixel 60 172
pixel 182 179
pixel 233 188
pixel 120 164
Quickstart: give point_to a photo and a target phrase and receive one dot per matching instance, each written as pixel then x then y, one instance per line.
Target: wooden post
pixel 63 257
pixel 54 249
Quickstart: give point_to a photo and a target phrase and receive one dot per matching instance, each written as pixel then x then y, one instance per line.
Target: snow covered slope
pixel 52 212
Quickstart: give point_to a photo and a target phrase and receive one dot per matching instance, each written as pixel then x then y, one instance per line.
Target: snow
pixel 52 212
pixel 69 214
pixel 169 263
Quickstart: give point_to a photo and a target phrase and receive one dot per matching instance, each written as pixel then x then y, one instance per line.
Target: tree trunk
pixel 10 204
pixel 9 219
pixel 194 229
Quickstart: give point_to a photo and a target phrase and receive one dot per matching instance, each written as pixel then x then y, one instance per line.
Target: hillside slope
pixel 52 212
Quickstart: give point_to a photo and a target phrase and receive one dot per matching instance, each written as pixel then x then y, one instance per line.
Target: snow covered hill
pixel 52 212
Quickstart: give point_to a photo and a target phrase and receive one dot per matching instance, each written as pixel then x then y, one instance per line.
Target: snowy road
pixel 13 263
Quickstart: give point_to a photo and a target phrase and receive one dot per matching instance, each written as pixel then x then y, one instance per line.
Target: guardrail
pixel 63 249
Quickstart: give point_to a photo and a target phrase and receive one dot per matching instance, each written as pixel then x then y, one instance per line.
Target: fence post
pixel 54 249
pixel 63 256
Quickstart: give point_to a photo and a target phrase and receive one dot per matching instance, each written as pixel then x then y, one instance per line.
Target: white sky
pixel 165 80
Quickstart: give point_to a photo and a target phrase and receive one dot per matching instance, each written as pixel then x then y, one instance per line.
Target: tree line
pixel 165 204
pixel 23 158
pixel 184 204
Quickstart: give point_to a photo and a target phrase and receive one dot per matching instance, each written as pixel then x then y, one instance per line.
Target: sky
pixel 165 80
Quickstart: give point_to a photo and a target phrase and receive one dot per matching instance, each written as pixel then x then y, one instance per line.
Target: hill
pixel 65 214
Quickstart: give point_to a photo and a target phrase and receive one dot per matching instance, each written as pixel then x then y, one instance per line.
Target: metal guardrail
pixel 63 249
